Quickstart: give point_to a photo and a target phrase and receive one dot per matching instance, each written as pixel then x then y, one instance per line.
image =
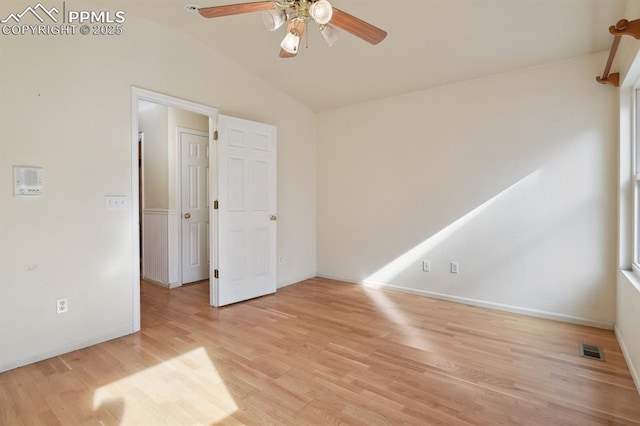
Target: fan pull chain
pixel 306 40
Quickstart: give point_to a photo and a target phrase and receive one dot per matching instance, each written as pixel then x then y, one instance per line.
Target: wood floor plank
pixel 323 352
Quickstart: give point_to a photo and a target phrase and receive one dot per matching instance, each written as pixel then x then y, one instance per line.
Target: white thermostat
pixel 27 181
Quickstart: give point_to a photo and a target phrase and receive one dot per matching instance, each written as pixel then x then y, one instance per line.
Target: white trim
pixel 160 211
pixel 634 178
pixel 158 283
pixel 174 249
pixel 135 210
pixel 141 165
pixel 633 279
pixel 625 187
pixel 189 131
pixel 632 368
pixel 81 344
pixel 159 98
pixel 481 303
pixel 137 95
pixel 141 194
pixel 213 213
pixel 291 281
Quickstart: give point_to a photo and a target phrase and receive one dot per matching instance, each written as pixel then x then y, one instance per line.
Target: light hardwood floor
pixel 325 352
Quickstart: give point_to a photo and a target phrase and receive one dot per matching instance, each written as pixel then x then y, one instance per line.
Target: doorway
pixel 170 211
pixel 175 195
pixel 242 231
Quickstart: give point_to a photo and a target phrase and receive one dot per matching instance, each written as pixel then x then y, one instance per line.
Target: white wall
pixel 513 176
pixel 66 107
pixel 152 122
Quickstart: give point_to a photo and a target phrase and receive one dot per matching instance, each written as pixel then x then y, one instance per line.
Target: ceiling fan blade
pixel 285 54
pixel 236 9
pixel 357 27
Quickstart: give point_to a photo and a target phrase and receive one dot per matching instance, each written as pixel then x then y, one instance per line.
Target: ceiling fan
pixel 297 14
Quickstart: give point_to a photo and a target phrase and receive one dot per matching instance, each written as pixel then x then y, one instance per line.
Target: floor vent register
pixel 591 351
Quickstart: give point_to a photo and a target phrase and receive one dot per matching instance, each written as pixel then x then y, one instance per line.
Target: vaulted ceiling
pixel 430 43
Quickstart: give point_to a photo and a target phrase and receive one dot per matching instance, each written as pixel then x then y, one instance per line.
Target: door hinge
pixel 215 273
pixel 215 205
pixel 215 135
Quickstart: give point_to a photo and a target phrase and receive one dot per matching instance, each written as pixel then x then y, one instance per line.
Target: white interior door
pixel 194 150
pixel 246 215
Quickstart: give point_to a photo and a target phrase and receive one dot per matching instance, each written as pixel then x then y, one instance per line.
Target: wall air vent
pixel 591 351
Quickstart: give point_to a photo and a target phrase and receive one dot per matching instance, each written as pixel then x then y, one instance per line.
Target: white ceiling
pixel 430 43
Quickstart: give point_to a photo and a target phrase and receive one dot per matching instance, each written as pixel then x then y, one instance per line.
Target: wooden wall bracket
pixel 622 28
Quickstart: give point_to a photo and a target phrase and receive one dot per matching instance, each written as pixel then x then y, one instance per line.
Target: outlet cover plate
pixel 62 305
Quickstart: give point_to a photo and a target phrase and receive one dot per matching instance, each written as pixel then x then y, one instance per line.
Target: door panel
pixel 247 209
pixel 195 205
pixel 236 185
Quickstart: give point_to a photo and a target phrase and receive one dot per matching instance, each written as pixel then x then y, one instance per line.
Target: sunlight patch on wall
pixel 412 257
pixel 177 385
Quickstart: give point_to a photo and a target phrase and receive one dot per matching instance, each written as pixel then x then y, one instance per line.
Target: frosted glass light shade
pixel 291 43
pixel 274 18
pixel 321 12
pixel 330 34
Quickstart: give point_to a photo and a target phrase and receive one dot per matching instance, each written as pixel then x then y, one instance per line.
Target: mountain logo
pixel 39 11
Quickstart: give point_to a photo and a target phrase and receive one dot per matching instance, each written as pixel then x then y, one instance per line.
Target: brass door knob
pixel 187 215
pixel 273 218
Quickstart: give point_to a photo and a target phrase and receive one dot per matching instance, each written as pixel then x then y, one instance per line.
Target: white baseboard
pixel 152 281
pixel 481 303
pixel 286 283
pixel 65 349
pixel 632 368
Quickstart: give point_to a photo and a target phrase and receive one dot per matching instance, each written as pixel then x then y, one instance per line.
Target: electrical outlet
pixel 426 266
pixel 455 267
pixel 62 306
pixel 281 260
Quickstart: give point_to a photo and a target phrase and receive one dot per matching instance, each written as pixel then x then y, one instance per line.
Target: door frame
pixel 138 94
pixel 179 132
pixel 140 195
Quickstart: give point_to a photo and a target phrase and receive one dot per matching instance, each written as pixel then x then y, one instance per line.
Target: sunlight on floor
pixel 409 259
pixel 395 315
pixel 170 385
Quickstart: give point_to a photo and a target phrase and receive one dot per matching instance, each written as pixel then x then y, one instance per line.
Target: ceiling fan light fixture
pixel 291 43
pixel 321 12
pixel 274 18
pixel 330 34
pixel 298 14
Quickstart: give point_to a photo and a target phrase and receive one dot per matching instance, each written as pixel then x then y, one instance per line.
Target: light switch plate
pixel 116 202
